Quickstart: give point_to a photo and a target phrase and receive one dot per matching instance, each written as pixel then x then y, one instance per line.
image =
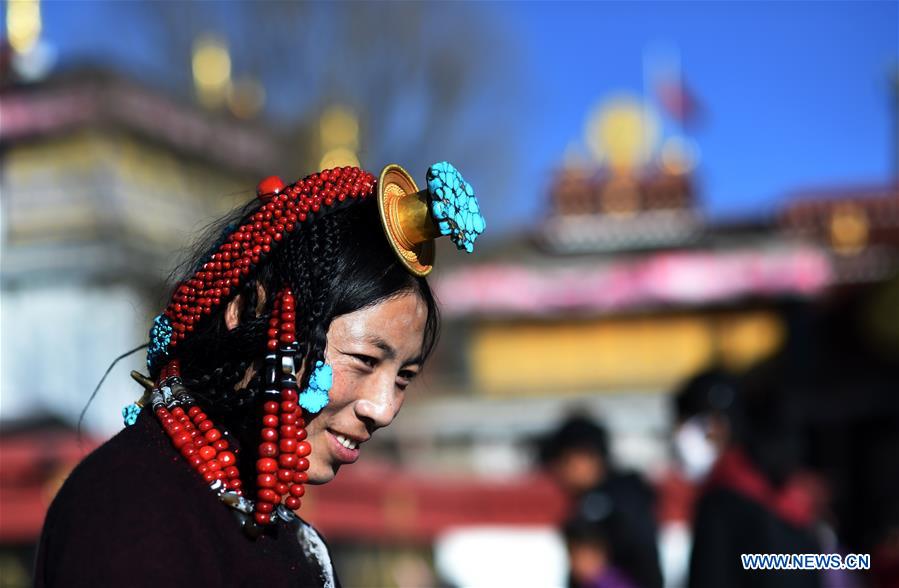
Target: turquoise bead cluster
pixel 160 336
pixel 454 206
pixel 315 396
pixel 129 414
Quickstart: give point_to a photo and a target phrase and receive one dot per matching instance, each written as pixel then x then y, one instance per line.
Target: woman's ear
pixel 233 312
pixel 235 307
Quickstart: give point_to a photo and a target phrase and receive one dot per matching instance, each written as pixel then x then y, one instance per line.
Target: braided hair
pixel 339 263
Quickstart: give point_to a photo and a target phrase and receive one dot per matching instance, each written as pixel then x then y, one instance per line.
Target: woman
pixel 290 342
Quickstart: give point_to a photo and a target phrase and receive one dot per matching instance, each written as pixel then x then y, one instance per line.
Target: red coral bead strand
pixel 194 435
pixel 267 496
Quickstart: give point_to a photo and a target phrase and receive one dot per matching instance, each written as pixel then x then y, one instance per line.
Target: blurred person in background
pixel 743 443
pixel 590 545
pixel 620 503
pixel 289 342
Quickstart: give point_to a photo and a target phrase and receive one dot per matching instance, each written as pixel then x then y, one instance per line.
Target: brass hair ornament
pixel 413 218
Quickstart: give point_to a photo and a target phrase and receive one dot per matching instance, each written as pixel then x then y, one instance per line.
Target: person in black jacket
pixel 621 503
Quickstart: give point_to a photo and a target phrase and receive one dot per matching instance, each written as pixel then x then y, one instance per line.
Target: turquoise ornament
pixel 129 413
pixel 160 336
pixel 454 206
pixel 315 396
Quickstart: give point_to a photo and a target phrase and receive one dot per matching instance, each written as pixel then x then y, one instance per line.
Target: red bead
pixel 289 394
pixel 265 507
pixel 288 418
pixel 301 434
pixel 188 451
pixel 270 420
pixel 227 459
pixel 266 465
pixel 205 425
pixel 270 407
pixel 266 481
pixel 281 488
pixel 268 449
pixel 302 465
pixel 285 475
pixel 289 407
pixel 288 445
pixel 288 431
pixel 303 448
pixel 268 495
pixel 232 471
pixel 292 502
pixel 270 186
pixel 235 483
pixel 213 435
pixel 287 460
pixel 300 477
pixel 181 439
pixel 297 490
pixel 195 460
pixel 269 434
pixel 214 465
pixel 262 518
pixel 220 445
pixel 207 453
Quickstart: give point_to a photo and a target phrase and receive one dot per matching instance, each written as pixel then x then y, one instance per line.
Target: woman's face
pixel 374 352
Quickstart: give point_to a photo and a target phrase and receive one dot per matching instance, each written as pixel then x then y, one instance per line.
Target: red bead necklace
pixel 283 449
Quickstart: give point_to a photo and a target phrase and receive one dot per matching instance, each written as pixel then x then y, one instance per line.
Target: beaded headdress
pixel 411 219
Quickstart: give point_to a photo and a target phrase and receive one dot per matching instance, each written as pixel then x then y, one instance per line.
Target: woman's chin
pixel 322 475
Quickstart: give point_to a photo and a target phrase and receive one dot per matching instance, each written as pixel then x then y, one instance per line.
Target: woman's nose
pixel 379 403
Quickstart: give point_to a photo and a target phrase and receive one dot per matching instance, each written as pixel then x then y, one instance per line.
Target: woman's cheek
pixel 341 387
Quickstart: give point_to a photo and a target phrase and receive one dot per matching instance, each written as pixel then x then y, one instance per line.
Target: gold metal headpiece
pixel 407 219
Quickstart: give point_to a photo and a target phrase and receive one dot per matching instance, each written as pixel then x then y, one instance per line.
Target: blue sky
pixel 795 94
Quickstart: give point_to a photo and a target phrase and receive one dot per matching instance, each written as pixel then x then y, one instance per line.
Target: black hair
pixel 710 391
pixel 577 432
pixel 582 530
pixel 335 264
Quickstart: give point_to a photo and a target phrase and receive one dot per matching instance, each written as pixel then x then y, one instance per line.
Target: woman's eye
pixel 404 378
pixel 366 359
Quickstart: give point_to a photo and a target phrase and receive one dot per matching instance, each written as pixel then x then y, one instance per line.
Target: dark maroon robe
pixel 134 513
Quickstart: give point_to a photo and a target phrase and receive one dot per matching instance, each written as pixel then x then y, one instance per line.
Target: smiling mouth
pixel 348 443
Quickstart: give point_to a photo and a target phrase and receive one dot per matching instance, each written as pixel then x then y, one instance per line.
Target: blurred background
pixel 670 188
